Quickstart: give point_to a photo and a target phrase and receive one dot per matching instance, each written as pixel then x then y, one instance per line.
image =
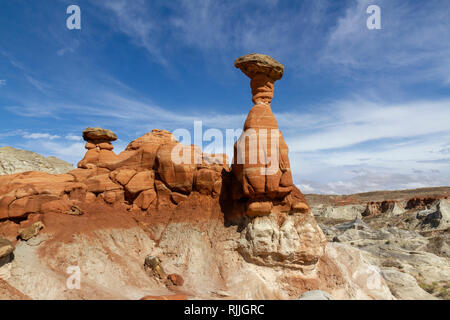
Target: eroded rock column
pixel 99 146
pixel 261 157
pixel 279 229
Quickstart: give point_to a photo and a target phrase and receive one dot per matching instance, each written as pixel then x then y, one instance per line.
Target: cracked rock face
pixel 288 241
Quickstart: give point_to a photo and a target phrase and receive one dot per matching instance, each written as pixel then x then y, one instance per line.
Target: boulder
pixel 177 164
pixel 32 231
pixel 257 209
pixel 122 176
pixel 316 295
pixel 175 279
pixel 283 240
pixel 98 135
pixel 6 247
pixel 144 180
pixel 154 264
pixel 254 64
pixel 146 199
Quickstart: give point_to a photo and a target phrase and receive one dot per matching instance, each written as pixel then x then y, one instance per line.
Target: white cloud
pixel 69 49
pixel 38 84
pixel 44 136
pixel 220 29
pixel 306 188
pixel 73 137
pixel 72 153
pixel 410 44
pixel 347 123
pixel 108 107
pixel 140 24
pixel 376 179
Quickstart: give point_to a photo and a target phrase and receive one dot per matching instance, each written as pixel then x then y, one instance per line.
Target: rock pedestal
pixel 261 157
pixel 279 228
pixel 99 146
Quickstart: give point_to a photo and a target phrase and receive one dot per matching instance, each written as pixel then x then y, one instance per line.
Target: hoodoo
pixel 284 232
pixel 261 156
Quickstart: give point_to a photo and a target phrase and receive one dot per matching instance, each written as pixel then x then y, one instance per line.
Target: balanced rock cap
pixel 255 63
pixel 99 134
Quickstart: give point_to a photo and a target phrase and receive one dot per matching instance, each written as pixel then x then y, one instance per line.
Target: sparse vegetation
pixel 439 290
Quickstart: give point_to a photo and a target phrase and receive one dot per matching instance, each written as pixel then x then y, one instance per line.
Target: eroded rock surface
pixel 406 237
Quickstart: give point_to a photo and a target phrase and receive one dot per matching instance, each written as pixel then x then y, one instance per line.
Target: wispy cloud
pixel 38 84
pixel 410 44
pixel 142 25
pixel 2 83
pixel 374 179
pixel 346 123
pixel 39 136
pixel 109 107
pixel 69 48
pixel 73 137
pixel 221 29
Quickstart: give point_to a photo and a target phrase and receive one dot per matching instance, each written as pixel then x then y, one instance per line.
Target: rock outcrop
pixel 16 161
pixel 406 237
pixel 261 163
pixel 161 217
pixel 281 230
pixel 6 248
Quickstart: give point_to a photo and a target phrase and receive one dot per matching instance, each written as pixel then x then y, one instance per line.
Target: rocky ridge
pixel 16 161
pixel 404 233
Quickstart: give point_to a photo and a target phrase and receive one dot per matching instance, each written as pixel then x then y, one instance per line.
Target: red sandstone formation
pixel 98 144
pixel 144 177
pixel 261 165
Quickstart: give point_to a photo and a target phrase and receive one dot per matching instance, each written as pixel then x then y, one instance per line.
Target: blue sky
pixel 360 109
